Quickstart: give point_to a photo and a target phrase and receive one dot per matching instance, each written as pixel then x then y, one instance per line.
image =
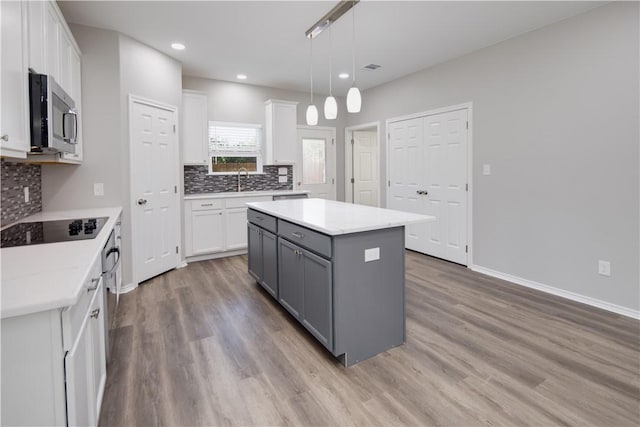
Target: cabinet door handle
pixel 94 284
pixel 5 138
pixel 95 313
pixel 259 218
pixel 297 234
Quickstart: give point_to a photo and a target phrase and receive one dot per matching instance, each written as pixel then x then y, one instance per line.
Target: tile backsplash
pixel 197 180
pixel 16 176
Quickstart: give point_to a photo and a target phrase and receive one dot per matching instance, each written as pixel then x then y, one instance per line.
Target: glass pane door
pixel 314 160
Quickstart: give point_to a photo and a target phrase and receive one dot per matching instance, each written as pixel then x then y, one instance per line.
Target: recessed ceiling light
pixel 241 77
pixel 343 75
pixel 178 46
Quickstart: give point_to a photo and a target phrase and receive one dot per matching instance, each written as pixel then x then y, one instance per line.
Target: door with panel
pixel 154 167
pixel 445 160
pixel 236 220
pixel 290 277
pixel 207 231
pixel 316 162
pixel 406 176
pixel 269 244
pixel 254 252
pixel 365 168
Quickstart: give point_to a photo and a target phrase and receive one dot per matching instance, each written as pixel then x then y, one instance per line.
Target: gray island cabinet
pixel 337 268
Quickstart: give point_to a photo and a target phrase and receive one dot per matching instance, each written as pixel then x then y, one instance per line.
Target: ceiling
pixel 265 39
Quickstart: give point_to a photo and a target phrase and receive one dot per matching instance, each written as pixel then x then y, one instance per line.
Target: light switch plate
pixel 26 194
pixel 604 268
pixel 486 169
pixel 283 179
pixel 371 254
pixel 282 171
pixel 98 189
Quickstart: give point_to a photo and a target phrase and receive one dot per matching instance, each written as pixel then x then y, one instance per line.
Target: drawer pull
pixel 297 234
pixel 94 285
pixel 94 314
pixel 259 217
pixel 206 204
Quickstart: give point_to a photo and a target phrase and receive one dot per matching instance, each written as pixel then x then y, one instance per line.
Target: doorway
pixel 429 171
pixel 154 187
pixel 362 164
pixel 315 169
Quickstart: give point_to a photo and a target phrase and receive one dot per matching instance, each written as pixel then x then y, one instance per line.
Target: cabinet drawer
pixel 207 204
pixel 265 221
pixel 241 202
pixel 317 242
pixel 73 316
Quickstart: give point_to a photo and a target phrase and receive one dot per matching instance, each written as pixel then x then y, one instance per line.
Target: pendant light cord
pixel 330 61
pixel 311 65
pixel 353 40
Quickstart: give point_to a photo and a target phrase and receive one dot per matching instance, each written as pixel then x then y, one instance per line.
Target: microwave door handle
pixel 75 127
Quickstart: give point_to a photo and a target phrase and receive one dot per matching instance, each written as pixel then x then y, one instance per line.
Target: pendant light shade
pixel 354 100
pixel 330 108
pixel 312 115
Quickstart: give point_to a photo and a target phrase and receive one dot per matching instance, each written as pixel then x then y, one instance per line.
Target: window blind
pixel 224 139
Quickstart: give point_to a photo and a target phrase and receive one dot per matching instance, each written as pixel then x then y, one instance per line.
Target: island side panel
pixel 369 297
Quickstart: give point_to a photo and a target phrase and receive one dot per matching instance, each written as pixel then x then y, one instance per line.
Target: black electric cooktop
pixel 36 233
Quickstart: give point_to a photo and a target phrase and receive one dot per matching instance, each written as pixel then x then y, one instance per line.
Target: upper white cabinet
pixel 14 92
pixel 280 132
pixel 195 128
pixel 35 35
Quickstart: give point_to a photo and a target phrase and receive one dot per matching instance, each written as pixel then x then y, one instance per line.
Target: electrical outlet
pixel 282 179
pixel 26 194
pixel 486 169
pixel 604 268
pixel 98 189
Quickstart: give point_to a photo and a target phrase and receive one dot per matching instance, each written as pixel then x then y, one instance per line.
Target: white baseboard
pixel 128 288
pixel 182 264
pixel 625 311
pixel 216 255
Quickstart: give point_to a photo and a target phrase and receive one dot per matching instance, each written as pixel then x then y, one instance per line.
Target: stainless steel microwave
pixel 54 121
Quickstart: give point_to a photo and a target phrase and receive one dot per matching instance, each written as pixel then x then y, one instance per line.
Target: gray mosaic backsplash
pixel 197 180
pixel 16 176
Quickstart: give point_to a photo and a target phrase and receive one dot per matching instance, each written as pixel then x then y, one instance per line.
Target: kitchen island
pixel 337 268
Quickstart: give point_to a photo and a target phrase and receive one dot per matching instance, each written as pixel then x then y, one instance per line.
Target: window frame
pixel 258 154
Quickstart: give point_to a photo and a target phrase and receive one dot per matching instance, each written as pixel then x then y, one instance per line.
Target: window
pixel 233 146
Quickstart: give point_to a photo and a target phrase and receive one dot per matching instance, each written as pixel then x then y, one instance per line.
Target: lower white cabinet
pixel 217 225
pixel 54 362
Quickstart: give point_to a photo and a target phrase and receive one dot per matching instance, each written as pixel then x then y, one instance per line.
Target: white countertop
pixel 335 218
pixel 242 194
pixel 50 276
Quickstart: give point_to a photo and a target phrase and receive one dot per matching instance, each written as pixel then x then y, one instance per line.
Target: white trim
pixel 347 181
pixel 307 127
pixel 216 255
pixel 178 217
pixel 235 124
pixel 128 288
pixel 469 107
pixel 182 264
pixel 614 308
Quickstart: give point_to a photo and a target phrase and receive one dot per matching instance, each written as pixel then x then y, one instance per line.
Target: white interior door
pixel 428 175
pixel 315 169
pixel 154 168
pixel 365 180
pixel 445 160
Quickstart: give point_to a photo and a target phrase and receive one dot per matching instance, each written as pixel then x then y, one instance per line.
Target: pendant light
pixel 354 99
pixel 312 111
pixel 330 104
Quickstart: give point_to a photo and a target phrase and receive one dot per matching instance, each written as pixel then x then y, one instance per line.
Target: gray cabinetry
pixel 305 289
pixel 263 258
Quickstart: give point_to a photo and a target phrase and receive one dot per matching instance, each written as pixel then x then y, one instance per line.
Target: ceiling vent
pixel 371 67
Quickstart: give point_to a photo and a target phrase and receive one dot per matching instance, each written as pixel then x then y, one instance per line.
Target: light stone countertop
pixel 335 218
pixel 51 276
pixel 242 194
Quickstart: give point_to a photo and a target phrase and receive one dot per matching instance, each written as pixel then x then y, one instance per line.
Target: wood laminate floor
pixel 204 345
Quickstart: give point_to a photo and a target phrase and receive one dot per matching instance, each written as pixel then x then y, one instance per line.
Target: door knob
pixel 142 201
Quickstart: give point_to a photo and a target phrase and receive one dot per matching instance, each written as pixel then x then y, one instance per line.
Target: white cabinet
pixel 280 132
pixel 236 229
pixel 14 119
pixel 217 225
pixel 51 42
pixel 195 128
pixel 54 362
pixel 75 68
pixel 37 12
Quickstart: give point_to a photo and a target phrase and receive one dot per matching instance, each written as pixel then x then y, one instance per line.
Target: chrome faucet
pixel 246 172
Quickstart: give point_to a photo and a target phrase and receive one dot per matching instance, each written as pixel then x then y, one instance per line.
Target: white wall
pixel 237 102
pixel 555 113
pixel 113 66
